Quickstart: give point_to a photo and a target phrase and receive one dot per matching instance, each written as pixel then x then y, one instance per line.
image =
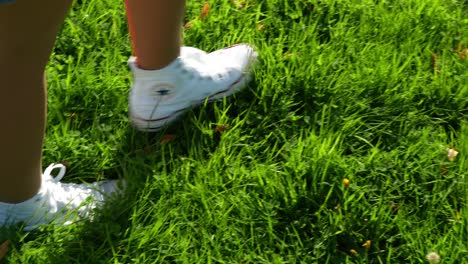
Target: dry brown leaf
pixel 205 11
pixel 188 25
pixel 4 247
pixel 260 27
pixel 65 163
pixel 394 207
pixel 147 150
pixel 168 138
pixel 221 128
pixel 451 154
pixel 435 63
pixel 463 53
pixel 461 50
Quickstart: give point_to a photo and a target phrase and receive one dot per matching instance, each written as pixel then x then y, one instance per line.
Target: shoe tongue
pixel 190 52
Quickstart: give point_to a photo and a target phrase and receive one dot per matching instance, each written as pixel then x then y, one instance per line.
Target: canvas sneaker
pixel 159 97
pixel 58 203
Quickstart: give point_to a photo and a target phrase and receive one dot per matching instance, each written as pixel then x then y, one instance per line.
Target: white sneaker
pixel 159 97
pixel 56 202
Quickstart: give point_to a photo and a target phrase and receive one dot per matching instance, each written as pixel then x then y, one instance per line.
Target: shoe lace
pixel 53 166
pixel 194 64
pixel 62 194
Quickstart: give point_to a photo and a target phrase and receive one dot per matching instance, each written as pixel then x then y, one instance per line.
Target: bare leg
pixel 28 30
pixel 155 26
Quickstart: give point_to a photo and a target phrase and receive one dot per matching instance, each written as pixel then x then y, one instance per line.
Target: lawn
pixel 337 152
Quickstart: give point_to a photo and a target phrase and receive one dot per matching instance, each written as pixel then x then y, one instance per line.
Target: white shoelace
pixel 54 202
pixel 53 166
pixel 60 195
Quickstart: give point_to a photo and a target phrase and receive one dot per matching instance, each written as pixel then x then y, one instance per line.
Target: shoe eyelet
pixel 163 92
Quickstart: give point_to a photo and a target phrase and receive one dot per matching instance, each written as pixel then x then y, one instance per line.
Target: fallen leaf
pixel 205 11
pixel 461 50
pixel 451 154
pixel 463 53
pixel 221 128
pixel 167 138
pixel 260 27
pixel 188 25
pixel 147 150
pixel 394 206
pixel 65 163
pixel 4 247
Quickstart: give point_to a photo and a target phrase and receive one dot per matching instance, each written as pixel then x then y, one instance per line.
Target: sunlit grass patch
pixel 341 150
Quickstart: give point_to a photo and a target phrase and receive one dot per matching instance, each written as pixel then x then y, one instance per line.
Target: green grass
pixel 344 89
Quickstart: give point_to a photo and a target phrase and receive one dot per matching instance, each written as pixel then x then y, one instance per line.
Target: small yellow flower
pixel 346 182
pixel 367 244
pixel 353 252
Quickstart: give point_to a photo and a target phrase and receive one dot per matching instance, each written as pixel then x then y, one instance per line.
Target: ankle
pixel 166 73
pixel 153 64
pixel 20 194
